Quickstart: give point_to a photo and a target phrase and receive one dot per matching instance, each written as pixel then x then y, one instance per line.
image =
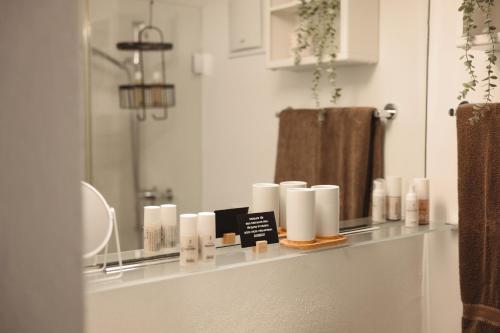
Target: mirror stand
pixel 118 272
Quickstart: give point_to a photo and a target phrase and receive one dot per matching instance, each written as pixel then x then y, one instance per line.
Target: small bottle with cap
pixel 206 236
pixel 188 239
pixel 393 185
pixel 152 230
pixel 378 201
pixel 169 226
pixel 411 213
pixel 422 189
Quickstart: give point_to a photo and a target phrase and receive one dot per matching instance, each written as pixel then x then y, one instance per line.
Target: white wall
pixel 241 97
pixel 446 75
pixel 443 303
pixel 40 167
pixel 169 151
pixel 111 139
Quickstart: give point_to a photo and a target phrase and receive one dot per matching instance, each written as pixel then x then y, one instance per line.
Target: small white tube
pixel 266 198
pixel 284 186
pixel 206 236
pixel 411 216
pixel 326 211
pixel 152 230
pixel 378 201
pixel 393 187
pixel 300 214
pixel 188 239
pixel 169 226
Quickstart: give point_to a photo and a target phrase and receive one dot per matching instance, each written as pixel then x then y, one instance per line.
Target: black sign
pixel 256 227
pixel 226 221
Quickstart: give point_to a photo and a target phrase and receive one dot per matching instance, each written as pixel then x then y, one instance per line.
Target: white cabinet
pixel 357 34
pixel 245 25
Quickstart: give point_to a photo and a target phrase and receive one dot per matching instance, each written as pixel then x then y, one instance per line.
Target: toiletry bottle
pixel 422 190
pixel 378 201
pixel 411 216
pixel 393 185
pixel 152 230
pixel 169 226
pixel 206 236
pixel 188 239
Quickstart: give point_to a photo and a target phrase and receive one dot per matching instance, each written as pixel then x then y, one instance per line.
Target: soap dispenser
pixel 378 201
pixel 411 216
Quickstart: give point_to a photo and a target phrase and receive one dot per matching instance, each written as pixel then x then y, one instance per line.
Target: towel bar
pixel 452 112
pixel 389 112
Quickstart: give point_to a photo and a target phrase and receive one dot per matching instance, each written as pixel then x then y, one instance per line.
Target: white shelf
pixel 234 257
pixel 310 61
pixel 480 42
pixel 292 6
pixel 357 34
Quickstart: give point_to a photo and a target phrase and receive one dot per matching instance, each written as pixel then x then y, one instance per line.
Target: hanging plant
pixel 469 8
pixel 316 31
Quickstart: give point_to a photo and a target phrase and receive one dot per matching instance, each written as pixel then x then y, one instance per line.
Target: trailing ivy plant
pixel 316 31
pixel 469 8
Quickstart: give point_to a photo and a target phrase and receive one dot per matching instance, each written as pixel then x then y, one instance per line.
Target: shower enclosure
pixel 136 163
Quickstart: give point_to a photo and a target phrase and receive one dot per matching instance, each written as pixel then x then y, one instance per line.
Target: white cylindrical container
pixel 169 226
pixel 411 210
pixel 393 200
pixel 284 186
pixel 206 236
pixel 266 198
pixel 378 202
pixel 422 186
pixel 188 231
pixel 326 211
pixel 300 214
pixel 152 229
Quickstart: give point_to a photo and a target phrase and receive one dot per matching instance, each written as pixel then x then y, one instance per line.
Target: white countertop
pixel 233 257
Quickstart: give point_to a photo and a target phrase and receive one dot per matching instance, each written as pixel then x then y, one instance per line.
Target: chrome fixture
pixel 141 95
pixel 452 112
pixel 389 112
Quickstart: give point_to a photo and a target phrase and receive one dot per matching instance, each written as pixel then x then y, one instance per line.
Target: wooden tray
pixel 318 242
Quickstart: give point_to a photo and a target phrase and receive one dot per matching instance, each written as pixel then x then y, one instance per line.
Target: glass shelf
pixel 233 257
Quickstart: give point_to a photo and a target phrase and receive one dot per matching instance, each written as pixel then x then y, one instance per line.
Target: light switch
pixel 245 25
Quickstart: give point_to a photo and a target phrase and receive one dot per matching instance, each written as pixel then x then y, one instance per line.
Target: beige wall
pixel 241 97
pixel 446 75
pixel 169 151
pixel 40 167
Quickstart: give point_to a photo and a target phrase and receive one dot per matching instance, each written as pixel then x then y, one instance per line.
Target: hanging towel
pixel 352 157
pixel 344 149
pixel 298 146
pixel 479 218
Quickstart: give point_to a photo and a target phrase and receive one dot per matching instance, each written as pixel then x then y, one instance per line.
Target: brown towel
pixel 479 218
pixel 345 149
pixel 352 157
pixel 298 146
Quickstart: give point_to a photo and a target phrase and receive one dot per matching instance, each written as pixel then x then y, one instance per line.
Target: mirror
pixel 232 70
pixel 96 220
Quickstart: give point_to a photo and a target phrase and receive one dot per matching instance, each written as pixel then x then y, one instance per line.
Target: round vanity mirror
pixel 97 221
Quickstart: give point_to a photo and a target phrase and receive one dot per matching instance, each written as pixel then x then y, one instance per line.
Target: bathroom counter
pixel 234 257
pixel 355 287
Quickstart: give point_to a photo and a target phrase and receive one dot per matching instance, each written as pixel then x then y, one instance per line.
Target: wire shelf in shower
pixel 144 46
